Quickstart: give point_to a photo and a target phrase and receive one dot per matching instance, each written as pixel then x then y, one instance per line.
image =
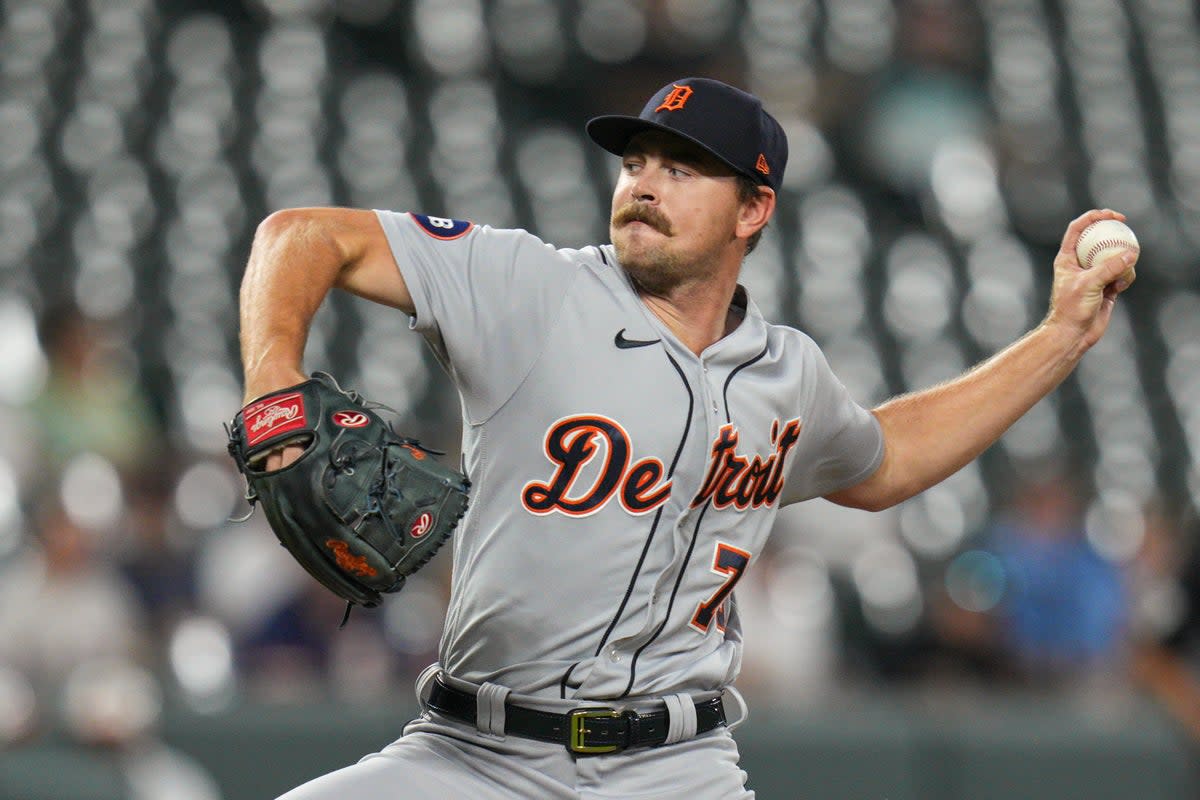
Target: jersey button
pixel 614 655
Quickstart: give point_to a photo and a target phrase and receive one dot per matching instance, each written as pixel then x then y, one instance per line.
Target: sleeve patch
pixel 441 227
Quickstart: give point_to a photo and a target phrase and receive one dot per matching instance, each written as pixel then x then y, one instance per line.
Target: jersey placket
pixel 672 592
pixel 712 393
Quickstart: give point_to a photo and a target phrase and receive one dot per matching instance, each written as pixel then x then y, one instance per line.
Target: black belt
pixel 588 731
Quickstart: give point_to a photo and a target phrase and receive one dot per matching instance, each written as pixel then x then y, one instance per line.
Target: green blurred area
pixel 886 747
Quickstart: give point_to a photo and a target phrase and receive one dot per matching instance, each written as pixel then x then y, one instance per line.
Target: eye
pixel 680 169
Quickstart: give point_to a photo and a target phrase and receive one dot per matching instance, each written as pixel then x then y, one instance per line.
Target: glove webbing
pixel 390 546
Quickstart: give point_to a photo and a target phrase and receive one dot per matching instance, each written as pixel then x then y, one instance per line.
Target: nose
pixel 643 186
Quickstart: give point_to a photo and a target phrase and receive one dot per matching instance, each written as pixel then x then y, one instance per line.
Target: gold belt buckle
pixel 578 725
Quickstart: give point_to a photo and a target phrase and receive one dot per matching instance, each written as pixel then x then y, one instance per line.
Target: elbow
pixel 274 237
pixel 268 235
pixel 877 504
pixel 864 497
pixel 886 494
pixel 872 502
pixel 321 235
pixel 889 490
pixel 879 492
pixel 283 234
pixel 277 225
pixel 864 501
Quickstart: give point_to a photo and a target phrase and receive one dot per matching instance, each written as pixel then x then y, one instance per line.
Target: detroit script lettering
pixel 642 485
pixel 746 483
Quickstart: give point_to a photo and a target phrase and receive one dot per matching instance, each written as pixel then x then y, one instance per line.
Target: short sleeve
pixel 486 299
pixel 841 442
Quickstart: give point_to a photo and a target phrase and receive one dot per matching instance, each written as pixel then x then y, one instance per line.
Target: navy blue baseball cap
pixel 725 121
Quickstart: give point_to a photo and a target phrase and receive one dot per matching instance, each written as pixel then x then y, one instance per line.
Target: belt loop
pixel 421 685
pixel 489 708
pixel 743 709
pixel 681 717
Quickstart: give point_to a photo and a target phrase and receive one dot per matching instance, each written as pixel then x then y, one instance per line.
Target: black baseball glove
pixel 362 508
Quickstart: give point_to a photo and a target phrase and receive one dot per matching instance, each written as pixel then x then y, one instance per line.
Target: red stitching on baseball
pixel 1103 243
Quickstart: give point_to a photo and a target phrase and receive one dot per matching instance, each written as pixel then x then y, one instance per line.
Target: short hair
pixel 747 190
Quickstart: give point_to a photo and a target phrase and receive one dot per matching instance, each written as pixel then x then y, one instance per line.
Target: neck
pixel 698 315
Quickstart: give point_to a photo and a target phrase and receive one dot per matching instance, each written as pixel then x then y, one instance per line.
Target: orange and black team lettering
pixel 734 480
pixel 730 563
pixel 574 442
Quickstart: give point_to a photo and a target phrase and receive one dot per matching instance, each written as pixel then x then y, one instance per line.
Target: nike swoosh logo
pixel 627 344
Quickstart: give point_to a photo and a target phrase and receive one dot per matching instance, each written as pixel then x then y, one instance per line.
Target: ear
pixel 755 212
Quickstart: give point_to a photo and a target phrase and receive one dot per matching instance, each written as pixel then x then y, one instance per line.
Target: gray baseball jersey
pixel 621 484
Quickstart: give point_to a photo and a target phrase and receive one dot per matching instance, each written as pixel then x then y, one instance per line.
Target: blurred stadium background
pixel 1026 629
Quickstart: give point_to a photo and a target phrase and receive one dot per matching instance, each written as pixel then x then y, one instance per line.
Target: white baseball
pixel 1103 240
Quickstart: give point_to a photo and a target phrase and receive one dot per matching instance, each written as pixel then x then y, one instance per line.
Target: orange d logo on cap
pixel 676 99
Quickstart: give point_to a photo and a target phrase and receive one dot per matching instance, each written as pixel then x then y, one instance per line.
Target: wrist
pixel 1063 337
pixel 263 381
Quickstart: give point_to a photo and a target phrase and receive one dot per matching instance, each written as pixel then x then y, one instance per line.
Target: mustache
pixel 640 212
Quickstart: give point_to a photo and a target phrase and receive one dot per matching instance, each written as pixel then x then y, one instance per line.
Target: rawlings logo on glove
pixel 271 417
pixel 362 508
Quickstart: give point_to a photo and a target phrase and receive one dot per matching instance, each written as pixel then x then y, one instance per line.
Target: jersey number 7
pixel 730 562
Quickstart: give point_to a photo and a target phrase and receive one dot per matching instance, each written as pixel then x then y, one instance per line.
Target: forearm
pixel 931 434
pixel 292 266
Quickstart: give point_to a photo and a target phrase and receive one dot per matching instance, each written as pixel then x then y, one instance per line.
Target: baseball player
pixel 631 426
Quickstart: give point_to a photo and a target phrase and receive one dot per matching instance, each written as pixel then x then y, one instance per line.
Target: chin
pixel 650 268
pixel 638 256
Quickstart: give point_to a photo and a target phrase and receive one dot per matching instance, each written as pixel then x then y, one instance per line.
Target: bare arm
pixel 931 434
pixel 298 255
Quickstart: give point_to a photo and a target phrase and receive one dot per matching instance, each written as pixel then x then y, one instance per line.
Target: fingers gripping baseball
pixel 1090 271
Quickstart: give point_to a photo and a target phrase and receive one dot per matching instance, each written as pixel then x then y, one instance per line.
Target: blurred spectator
pixel 1165 583
pixel 288 645
pixel 285 656
pixel 930 94
pixel 61 603
pixel 1064 608
pixel 91 402
pixel 1184 636
pixel 113 707
pixel 787 606
pixel 19 710
pixel 299 652
pixel 1166 630
pixel 160 568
